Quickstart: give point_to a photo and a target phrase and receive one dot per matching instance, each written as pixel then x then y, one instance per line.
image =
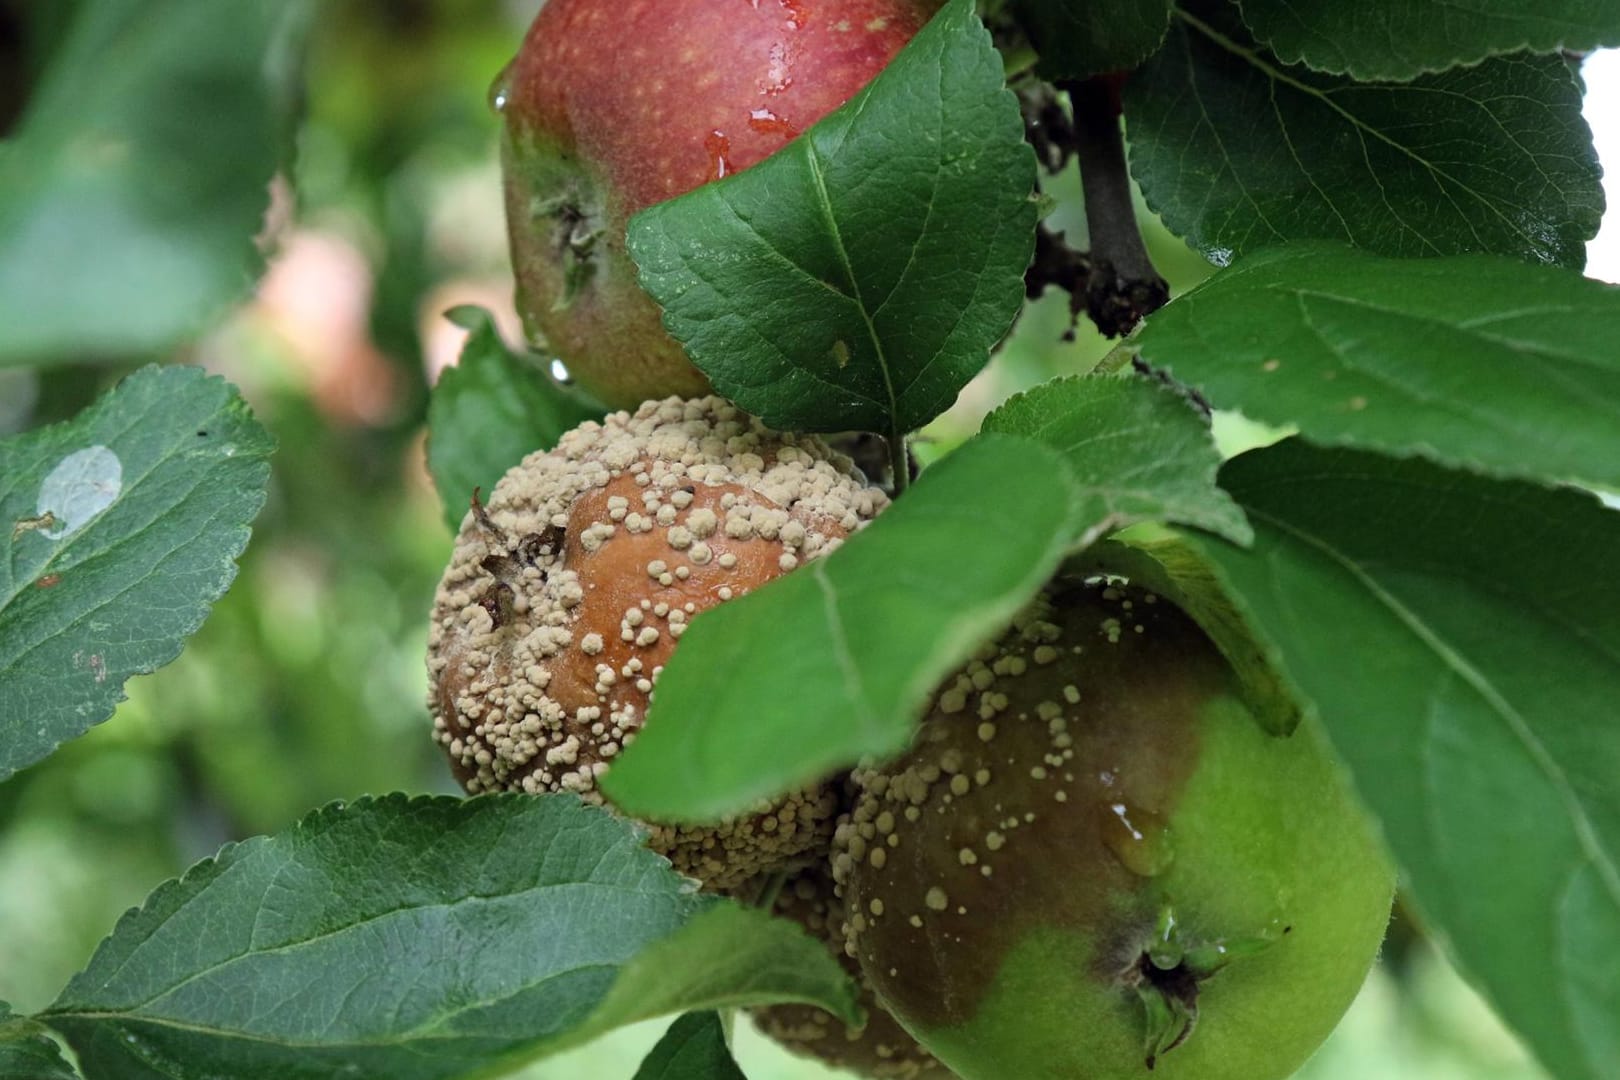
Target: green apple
pixel 613 105
pixel 1095 864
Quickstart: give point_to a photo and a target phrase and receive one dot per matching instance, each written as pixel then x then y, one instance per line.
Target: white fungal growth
pixel 568 591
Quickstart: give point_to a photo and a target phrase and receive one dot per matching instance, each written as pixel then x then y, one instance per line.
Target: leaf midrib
pixel 824 206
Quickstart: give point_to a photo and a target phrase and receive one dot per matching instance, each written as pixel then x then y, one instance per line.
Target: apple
pixel 1094 863
pixel 880 1048
pixel 568 591
pixel 613 105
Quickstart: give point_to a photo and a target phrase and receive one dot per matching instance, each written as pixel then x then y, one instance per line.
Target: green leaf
pixel 1139 450
pixel 1397 39
pixel 1237 152
pixel 1081 38
pixel 833 661
pixel 694 1048
pixel 1141 453
pixel 1474 361
pixel 406 939
pixel 118 530
pixel 857 278
pixel 491 410
pixel 27 1053
pixel 725 957
pixel 1460 638
pixel 132 190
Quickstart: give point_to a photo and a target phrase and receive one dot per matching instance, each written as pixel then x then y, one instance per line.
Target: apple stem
pixel 899 462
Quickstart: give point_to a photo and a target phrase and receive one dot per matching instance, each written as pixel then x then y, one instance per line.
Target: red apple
pixel 613 105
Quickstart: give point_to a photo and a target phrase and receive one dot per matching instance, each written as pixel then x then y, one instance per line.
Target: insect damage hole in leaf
pixel 82 485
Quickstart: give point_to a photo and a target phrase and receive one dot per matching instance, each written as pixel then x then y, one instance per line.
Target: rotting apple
pixel 613 105
pixel 881 1048
pixel 567 593
pixel 1094 863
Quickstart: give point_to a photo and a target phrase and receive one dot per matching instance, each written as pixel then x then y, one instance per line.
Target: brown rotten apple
pixel 612 105
pixel 1095 864
pixel 881 1049
pixel 569 589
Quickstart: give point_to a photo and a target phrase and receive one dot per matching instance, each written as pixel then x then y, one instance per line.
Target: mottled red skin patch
pixel 613 106
pixel 640 87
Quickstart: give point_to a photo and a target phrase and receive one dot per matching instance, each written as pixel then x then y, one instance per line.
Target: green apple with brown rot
pixel 1095 864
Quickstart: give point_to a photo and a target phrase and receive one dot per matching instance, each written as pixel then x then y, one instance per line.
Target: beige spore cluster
pixel 569 589
pixel 985 695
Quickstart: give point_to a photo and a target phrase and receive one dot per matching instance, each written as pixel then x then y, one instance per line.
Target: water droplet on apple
pixel 500 91
pixel 1139 839
pixel 559 371
pixel 719 148
pixel 768 123
pixel 795 13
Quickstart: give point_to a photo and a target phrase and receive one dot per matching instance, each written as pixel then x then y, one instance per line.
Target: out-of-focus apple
pixel 613 105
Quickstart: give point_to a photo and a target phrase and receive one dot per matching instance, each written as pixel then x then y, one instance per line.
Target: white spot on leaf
pixel 82 485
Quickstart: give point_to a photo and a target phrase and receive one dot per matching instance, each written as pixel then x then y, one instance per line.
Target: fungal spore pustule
pixel 570 587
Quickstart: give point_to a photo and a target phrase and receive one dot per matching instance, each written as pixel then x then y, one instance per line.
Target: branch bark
pixel 1123 286
pixel 1115 283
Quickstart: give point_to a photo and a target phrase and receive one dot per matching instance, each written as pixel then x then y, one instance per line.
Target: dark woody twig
pixel 1123 286
pixel 1115 283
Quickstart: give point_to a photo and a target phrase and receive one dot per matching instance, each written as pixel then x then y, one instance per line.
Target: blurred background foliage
pixel 306 684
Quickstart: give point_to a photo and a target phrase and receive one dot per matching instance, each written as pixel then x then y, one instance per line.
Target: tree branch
pixel 1115 283
pixel 1123 286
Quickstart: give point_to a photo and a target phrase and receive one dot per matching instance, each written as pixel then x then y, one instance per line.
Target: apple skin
pixel 1117 785
pixel 613 105
pixel 881 1049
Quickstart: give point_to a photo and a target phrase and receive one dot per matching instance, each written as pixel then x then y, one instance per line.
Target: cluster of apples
pixel 1092 863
